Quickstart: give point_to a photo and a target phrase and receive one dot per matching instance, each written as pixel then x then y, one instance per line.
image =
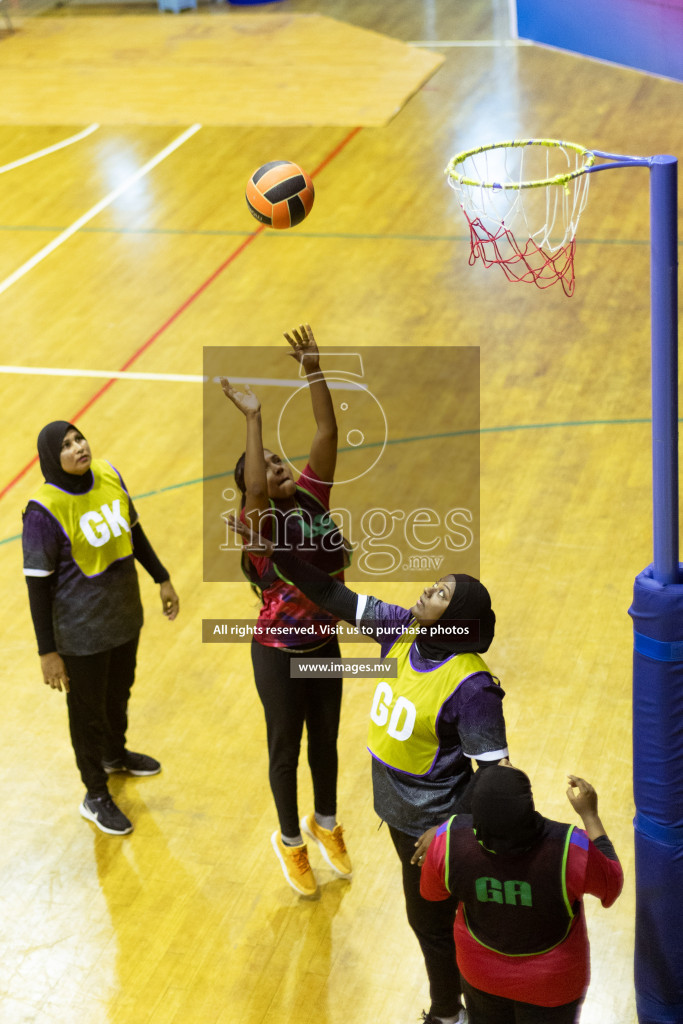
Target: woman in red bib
pixel 290 624
pixel 81 537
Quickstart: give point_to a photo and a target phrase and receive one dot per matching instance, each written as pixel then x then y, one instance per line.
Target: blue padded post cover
pixel 657 613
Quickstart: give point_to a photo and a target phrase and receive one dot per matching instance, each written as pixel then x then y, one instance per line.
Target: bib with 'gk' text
pixel 96 523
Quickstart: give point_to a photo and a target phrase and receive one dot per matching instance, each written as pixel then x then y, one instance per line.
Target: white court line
pixel 470 42
pixel 277 382
pixel 182 378
pixel 512 16
pixel 50 149
pixel 102 205
pixel 53 371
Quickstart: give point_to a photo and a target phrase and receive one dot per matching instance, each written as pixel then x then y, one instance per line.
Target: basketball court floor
pixel 126 140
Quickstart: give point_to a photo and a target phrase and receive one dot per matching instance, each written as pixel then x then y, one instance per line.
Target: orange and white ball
pixel 280 194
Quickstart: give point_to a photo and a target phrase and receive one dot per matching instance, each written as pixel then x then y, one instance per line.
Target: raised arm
pixel 600 872
pixel 255 465
pixel 585 803
pixel 323 455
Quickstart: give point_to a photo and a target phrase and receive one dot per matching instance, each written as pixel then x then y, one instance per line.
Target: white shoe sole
pixel 306 831
pixel 285 872
pixel 89 816
pixel 127 771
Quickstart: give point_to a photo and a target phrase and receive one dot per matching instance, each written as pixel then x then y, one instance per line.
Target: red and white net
pixel 523 200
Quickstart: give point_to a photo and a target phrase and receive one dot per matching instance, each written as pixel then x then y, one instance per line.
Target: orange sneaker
pixel 330 843
pixel 295 866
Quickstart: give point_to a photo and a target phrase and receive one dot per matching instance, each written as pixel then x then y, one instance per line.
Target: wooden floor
pixel 327 73
pixel 105 269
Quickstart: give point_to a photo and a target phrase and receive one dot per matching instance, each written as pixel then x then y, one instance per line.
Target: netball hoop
pixel 523 200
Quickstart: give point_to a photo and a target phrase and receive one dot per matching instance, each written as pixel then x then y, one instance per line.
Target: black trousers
pixel 432 922
pixel 97 702
pixel 288 705
pixel 483 1008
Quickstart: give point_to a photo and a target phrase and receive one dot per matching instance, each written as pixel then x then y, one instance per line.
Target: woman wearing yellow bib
pixel 81 538
pixel 442 711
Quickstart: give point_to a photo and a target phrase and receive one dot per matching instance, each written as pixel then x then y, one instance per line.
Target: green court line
pixel 273 236
pixel 490 430
pixel 508 428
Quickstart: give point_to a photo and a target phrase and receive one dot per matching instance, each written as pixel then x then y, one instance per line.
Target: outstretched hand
pixel 252 541
pixel 246 401
pixel 304 348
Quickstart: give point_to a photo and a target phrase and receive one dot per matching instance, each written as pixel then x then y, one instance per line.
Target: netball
pixel 280 194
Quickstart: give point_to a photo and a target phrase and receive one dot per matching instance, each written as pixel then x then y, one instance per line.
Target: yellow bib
pixel 97 523
pixel 404 713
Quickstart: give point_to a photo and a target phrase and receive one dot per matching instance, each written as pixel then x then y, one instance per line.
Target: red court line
pixel 179 311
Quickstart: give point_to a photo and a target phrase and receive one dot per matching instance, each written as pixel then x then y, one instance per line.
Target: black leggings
pixel 432 923
pixel 288 704
pixel 97 701
pixel 483 1008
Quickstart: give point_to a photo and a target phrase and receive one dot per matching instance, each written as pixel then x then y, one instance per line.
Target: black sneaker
pixel 104 813
pixel 134 764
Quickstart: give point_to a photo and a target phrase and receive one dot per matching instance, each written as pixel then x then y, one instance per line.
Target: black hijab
pixel 470 602
pixel 504 818
pixel 49 448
